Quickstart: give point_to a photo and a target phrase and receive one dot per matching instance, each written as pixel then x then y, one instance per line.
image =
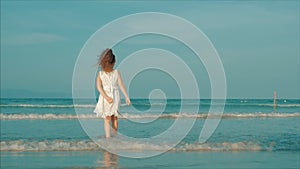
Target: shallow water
pixel 176 160
pixel 47 133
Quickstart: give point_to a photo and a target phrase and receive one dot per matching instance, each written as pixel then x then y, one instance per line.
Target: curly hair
pixel 107 60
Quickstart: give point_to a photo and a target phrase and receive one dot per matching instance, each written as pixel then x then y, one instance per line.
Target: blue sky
pixel 258 43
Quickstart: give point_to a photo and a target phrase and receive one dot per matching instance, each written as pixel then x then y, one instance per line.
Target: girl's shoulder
pixel 117 72
pixel 102 73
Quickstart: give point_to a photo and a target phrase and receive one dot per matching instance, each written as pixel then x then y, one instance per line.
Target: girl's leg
pixel 107 126
pixel 114 120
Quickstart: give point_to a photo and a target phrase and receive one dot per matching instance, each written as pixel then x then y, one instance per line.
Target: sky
pixel 258 43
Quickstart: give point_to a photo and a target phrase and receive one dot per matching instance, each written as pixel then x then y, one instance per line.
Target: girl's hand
pixel 109 100
pixel 128 101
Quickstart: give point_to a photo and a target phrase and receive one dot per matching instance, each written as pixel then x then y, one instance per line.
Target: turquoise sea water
pixel 47 133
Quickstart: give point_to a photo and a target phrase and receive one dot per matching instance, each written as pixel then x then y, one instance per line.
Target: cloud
pixel 33 38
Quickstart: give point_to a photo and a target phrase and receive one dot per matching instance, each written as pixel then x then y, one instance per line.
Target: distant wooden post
pixel 274 101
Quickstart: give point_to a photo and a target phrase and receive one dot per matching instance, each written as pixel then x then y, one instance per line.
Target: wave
pixel 49 105
pixel 143 104
pixel 215 115
pixel 280 105
pixel 77 105
pixel 88 145
pixel 145 116
pixel 44 116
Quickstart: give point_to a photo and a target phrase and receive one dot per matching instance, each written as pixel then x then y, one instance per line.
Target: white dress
pixel 109 84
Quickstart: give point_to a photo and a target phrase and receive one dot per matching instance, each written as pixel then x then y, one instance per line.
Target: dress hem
pixel 104 115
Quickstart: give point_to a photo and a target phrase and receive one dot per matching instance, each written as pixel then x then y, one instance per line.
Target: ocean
pixel 52 133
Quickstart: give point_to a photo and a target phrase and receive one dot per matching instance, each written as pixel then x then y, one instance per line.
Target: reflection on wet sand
pixel 110 160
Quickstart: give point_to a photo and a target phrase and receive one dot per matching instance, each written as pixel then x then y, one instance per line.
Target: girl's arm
pixel 121 85
pixel 100 89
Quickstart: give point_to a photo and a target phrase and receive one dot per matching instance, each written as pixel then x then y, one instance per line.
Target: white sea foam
pixel 45 116
pixel 280 105
pixel 49 105
pixel 88 145
pixel 146 116
pixel 140 104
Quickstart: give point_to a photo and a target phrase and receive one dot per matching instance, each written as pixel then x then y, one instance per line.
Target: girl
pixel 109 98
